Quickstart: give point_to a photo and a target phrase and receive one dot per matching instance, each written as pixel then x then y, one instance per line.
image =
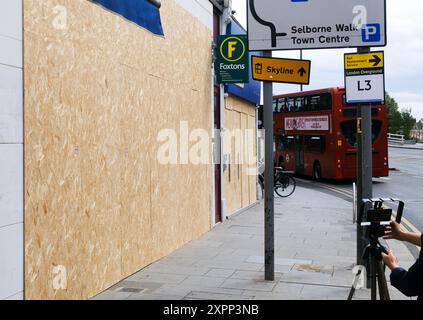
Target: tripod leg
pixel 351 295
pixel 373 277
pixel 383 285
pixel 354 286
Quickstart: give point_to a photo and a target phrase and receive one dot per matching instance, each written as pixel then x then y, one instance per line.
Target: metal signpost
pixel 364 85
pixel 269 206
pixel 315 24
pixel 232 59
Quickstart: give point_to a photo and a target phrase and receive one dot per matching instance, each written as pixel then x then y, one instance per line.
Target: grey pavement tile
pixel 249 284
pixel 256 275
pixel 279 261
pixel 137 296
pixel 253 230
pixel 158 277
pixel 219 272
pixel 317 252
pixel 293 289
pixel 322 256
pixel 263 295
pixel 225 264
pixel 327 269
pixel 179 290
pixel 201 295
pixel 195 253
pixel 324 293
pixel 336 261
pixel 203 281
pixel 205 243
pixel 286 253
pixel 280 268
pixel 234 258
pixel 306 277
pixel 140 285
pixel 112 295
pixel 174 270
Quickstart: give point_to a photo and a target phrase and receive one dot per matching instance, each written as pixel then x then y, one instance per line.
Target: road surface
pixel 405 183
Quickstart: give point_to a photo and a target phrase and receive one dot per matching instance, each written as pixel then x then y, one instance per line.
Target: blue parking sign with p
pixel 371 33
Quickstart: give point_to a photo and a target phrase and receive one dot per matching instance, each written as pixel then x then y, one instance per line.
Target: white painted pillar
pixel 11 150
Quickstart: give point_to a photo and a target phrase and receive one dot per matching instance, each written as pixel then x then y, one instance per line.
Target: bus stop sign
pixel 316 24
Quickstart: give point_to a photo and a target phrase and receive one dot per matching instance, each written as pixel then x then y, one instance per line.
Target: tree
pixel 419 125
pixel 401 122
pixel 408 122
pixel 394 115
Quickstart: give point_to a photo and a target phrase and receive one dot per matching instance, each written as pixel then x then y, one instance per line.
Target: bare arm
pixel 413 238
pixel 396 232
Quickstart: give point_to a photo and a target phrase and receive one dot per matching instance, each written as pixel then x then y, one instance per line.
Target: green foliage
pixel 408 122
pixel 399 121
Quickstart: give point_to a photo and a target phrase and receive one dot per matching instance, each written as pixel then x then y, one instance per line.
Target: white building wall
pixel 202 9
pixel 11 151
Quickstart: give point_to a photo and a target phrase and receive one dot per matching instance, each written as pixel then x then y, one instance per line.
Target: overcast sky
pixel 403 56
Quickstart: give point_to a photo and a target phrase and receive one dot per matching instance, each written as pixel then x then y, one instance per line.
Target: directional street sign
pixel 281 70
pixel 369 60
pixel 232 63
pixel 365 77
pixel 315 24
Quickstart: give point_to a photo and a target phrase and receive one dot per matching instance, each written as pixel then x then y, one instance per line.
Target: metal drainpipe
pixel 225 19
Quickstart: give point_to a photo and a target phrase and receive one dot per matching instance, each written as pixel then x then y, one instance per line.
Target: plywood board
pixel 98 205
pixel 240 189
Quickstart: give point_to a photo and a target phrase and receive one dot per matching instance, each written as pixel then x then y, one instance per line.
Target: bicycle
pixel 284 183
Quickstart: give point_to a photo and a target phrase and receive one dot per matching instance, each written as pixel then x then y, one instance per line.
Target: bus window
pixel 275 104
pixel 281 105
pixel 315 144
pixel 352 112
pixel 290 104
pixel 349 131
pixel 314 103
pixel 376 129
pixel 326 101
pixel 299 104
pixel 289 143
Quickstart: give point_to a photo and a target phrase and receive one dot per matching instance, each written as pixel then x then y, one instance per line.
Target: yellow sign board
pixel 371 60
pixel 281 70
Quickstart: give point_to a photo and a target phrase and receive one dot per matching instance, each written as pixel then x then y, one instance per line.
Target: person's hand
pixel 394 232
pixel 390 260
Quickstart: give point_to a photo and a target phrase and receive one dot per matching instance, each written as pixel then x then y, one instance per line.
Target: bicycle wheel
pixel 285 186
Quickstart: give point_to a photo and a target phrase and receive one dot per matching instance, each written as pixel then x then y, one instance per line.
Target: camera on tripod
pixel 376 218
pixel 374 215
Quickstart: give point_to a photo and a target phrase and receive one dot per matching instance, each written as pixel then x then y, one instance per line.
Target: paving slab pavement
pixel 314 258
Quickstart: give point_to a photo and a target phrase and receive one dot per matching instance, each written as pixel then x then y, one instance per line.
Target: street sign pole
pixel 366 162
pixel 360 242
pixel 269 214
pixel 301 58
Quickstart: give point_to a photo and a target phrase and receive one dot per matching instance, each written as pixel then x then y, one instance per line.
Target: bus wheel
pixel 317 171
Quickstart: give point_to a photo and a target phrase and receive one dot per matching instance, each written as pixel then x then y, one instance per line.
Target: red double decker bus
pixel 316 135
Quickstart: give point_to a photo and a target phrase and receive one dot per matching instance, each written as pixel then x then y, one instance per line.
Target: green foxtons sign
pixel 232 60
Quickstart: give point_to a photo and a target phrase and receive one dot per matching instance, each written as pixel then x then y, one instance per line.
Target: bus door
pixel 299 154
